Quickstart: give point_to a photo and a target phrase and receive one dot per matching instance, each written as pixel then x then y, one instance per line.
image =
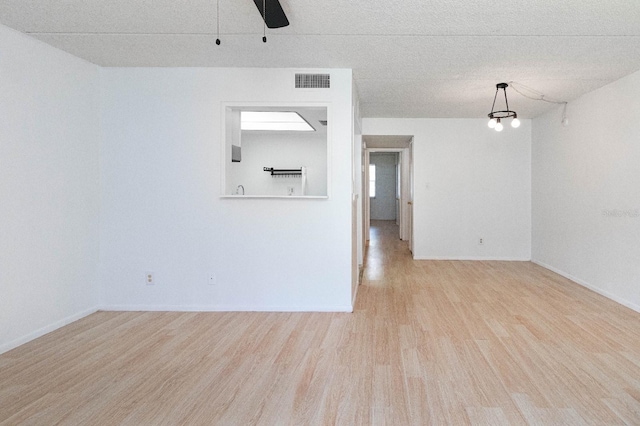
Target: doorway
pixel 400 149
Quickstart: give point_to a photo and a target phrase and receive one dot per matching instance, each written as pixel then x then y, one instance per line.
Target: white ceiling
pixel 410 58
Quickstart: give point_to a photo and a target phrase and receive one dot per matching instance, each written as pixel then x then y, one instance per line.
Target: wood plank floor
pixel 430 342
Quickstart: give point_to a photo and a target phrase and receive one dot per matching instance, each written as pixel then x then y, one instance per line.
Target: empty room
pixel 280 212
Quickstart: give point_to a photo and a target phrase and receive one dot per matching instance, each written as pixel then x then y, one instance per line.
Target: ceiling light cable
pixel 218 21
pixel 565 120
pixel 541 97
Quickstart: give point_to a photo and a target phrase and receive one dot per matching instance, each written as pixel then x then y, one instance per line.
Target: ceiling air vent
pixel 313 81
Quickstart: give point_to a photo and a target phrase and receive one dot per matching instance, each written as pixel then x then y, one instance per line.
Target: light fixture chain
pixel 218 22
pixel 264 18
pixel 504 89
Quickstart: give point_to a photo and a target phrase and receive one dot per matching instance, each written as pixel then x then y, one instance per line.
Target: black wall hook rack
pixel 284 172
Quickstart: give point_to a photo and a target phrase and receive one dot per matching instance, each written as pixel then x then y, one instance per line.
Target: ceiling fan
pixel 275 16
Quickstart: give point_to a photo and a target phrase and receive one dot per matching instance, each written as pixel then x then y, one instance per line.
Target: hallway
pixel 387 256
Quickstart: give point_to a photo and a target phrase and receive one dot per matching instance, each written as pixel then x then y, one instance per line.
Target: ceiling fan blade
pixel 275 17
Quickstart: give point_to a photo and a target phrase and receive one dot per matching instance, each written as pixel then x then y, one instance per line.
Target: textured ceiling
pixel 410 58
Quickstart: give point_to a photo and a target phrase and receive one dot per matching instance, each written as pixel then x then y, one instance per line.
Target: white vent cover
pixel 313 81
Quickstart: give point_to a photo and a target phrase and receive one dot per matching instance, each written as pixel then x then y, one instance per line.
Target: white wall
pixel 469 182
pixel 586 191
pixel 49 188
pixel 383 205
pixel 281 151
pixel 161 205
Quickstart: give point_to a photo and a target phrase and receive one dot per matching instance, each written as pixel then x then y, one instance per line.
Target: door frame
pixel 406 172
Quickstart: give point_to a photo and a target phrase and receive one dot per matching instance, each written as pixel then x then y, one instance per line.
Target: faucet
pixel 238 190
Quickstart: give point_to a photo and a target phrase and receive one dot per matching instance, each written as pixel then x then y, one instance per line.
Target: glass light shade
pixel 515 123
pixel 499 127
pixel 492 123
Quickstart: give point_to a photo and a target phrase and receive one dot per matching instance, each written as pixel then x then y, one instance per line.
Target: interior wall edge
pixel 226 308
pixel 590 286
pixel 6 347
pixel 474 258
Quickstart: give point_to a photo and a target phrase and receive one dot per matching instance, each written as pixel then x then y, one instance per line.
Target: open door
pixel 409 199
pixel 366 206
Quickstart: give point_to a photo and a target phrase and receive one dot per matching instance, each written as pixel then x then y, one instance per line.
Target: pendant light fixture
pixel 496 117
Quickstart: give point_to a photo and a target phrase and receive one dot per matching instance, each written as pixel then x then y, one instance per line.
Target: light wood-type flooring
pixel 430 342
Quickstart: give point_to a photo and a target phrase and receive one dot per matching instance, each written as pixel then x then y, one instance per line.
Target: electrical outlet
pixel 211 279
pixel 481 241
pixel 290 190
pixel 149 278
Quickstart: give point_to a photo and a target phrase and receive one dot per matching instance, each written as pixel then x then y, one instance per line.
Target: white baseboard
pixel 591 287
pixel 195 308
pixel 499 259
pixel 44 330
